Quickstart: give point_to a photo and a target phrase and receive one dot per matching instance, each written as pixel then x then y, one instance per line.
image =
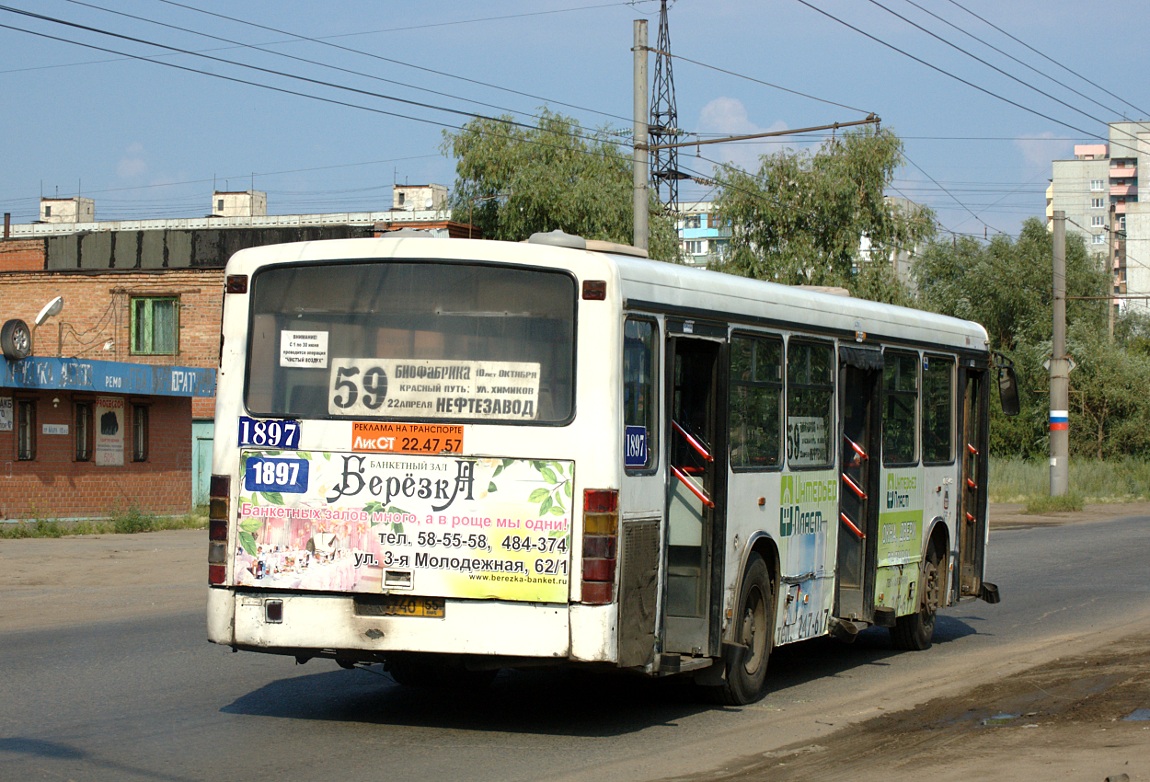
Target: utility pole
pixel 639 137
pixel 1059 370
pixel 1112 270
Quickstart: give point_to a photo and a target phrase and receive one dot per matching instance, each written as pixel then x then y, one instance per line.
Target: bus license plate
pixel 387 605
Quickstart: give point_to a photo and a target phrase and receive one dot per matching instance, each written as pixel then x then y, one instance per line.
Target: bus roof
pixel 658 286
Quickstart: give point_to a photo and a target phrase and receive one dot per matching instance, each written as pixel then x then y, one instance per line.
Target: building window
pixel 1097 221
pixel 219 205
pixel 1097 203
pixel 139 433
pixel 1099 238
pixel 155 324
pixel 84 433
pixel 1097 185
pixel 694 247
pixel 47 211
pixel 692 221
pixel 25 430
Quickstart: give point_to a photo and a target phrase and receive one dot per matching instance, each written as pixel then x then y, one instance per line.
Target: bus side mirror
pixel 1008 390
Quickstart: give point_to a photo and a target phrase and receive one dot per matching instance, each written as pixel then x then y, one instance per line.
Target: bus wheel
pixel 746 660
pixel 914 631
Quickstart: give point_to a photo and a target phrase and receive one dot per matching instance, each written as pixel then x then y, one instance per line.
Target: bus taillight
pixel 600 533
pixel 219 499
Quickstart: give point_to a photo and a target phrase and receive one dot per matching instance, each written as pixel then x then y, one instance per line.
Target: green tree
pixel 513 181
pixel 801 217
pixel 1109 408
pixel 1007 286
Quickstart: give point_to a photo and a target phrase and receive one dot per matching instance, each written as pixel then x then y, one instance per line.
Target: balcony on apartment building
pixel 1123 170
pixel 1123 189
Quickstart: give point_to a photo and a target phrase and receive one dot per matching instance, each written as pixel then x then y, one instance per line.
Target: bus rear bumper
pixel 284 623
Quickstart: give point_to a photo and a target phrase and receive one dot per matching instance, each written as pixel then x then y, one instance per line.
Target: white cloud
pixel 132 164
pixel 729 117
pixel 1039 151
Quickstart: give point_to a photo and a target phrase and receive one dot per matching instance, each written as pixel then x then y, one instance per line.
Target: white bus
pixel 453 456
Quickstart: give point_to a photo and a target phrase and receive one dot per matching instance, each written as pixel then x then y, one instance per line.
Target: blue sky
pixel 149 140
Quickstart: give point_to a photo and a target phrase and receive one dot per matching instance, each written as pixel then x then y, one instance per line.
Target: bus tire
pixel 746 659
pixel 914 632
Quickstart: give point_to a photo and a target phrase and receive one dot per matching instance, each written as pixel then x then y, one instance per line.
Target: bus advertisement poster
pixel 435 526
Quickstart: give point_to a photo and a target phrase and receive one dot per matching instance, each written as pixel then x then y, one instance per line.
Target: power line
pixel 959 79
pixel 325 42
pixel 1143 112
pixel 269 71
pixel 995 68
pixel 969 34
pixel 292 57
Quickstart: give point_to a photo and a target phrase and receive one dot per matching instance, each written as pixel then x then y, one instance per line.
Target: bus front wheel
pixel 746 659
pixel 915 631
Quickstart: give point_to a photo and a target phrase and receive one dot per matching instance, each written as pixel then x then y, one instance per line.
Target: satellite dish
pixel 428 203
pixel 51 308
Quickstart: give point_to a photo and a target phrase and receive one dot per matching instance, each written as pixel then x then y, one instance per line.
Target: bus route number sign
pixel 269 432
pixel 286 476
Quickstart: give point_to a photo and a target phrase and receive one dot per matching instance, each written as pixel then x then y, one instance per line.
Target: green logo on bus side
pixel 796 498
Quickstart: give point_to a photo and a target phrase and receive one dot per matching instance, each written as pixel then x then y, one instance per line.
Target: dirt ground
pixel 1068 719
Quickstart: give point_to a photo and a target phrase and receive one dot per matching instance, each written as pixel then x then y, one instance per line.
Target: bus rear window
pixel 420 340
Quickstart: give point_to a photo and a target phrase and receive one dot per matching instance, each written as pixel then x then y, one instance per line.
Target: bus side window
pixel 937 410
pixel 900 406
pixel 810 404
pixel 756 401
pixel 640 400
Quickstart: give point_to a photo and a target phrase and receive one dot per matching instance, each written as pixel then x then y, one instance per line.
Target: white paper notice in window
pixel 303 349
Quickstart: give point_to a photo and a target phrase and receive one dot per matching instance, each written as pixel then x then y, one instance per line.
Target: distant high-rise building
pixel 1098 192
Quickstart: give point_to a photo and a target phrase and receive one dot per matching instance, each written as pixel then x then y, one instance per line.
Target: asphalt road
pixel 105 675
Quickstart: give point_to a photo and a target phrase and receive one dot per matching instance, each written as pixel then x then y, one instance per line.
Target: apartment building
pixel 1098 192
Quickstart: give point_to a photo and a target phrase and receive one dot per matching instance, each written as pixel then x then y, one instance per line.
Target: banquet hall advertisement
pixel 433 526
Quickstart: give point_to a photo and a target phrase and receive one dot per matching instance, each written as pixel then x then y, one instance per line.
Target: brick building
pixel 138 337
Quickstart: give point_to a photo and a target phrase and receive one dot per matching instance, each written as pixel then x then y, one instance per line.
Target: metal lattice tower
pixel 664 124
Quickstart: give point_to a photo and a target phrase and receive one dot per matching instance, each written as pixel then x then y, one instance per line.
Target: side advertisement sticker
pixel 900 541
pixel 436 526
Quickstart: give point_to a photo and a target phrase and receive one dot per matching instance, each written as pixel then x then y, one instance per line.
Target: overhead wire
pixel 944 72
pixel 1046 57
pixel 295 58
pixel 381 58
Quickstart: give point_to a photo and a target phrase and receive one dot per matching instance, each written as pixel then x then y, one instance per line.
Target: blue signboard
pixel 635 446
pixel 113 377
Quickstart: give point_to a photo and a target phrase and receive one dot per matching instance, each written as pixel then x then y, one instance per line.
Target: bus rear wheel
pixel 746 659
pixel 914 632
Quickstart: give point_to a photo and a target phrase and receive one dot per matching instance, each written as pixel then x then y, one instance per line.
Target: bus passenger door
pixel 860 383
pixel 972 507
pixel 696 467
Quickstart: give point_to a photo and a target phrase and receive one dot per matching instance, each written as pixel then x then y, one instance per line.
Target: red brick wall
pixel 55 486
pixel 22 254
pixel 97 310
